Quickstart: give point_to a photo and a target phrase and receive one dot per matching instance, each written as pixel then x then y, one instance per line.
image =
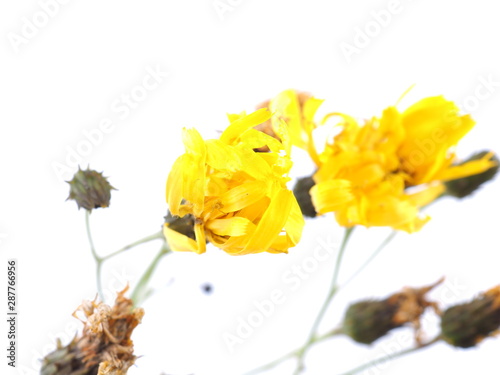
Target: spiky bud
pixel 301 192
pixel 90 189
pixel 467 324
pixel 465 186
pixel 367 321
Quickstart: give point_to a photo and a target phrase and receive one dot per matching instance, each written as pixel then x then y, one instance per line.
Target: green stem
pixel 390 357
pixel 331 293
pixel 141 293
pixel 388 239
pixel 100 260
pixel 332 333
pixel 272 364
pixel 155 236
pixel 97 258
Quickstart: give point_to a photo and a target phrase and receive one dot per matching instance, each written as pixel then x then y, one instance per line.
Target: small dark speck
pixel 207 288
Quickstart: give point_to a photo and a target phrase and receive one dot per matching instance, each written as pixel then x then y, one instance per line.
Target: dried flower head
pixel 467 324
pixel 90 189
pixel 366 321
pixel 104 347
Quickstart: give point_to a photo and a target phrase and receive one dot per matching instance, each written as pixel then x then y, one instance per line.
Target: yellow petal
pixel 280 245
pixel 414 225
pixel 294 224
pixel 255 210
pixel 233 131
pixel 256 139
pixel 272 222
pixel 242 196
pixel 286 108
pixel 329 196
pixel 311 106
pixel 390 211
pixel 193 166
pixel 427 195
pixel 254 165
pixel 179 242
pixel 222 157
pixel 174 190
pixel 468 169
pixel 201 241
pixel 235 226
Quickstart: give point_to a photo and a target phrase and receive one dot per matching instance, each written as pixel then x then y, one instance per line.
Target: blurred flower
pixel 90 189
pixel 383 172
pixel 468 324
pixel 367 321
pixel 297 110
pixel 104 346
pixel 237 197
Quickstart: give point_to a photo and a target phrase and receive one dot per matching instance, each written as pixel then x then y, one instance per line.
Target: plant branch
pixel 390 357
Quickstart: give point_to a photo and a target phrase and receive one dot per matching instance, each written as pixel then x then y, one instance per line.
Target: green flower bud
pixel 462 187
pixel 468 324
pixel 367 321
pixel 301 192
pixel 90 189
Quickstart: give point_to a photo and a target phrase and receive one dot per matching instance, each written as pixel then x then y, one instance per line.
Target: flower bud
pixel 467 324
pixel 367 321
pixel 301 192
pixel 465 186
pixel 90 189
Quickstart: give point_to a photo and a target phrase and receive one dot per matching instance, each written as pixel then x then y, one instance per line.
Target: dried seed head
pixel 90 189
pixel 467 324
pixel 104 346
pixel 367 321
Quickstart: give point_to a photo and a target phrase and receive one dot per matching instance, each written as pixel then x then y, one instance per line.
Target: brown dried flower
pixel 367 321
pixel 104 347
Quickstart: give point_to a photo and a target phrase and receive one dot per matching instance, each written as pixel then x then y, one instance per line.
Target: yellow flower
pixel 238 197
pixel 381 173
pixel 297 110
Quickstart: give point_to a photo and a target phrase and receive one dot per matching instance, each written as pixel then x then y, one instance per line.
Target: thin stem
pixel 155 236
pixel 100 260
pixel 388 239
pixel 390 357
pixel 97 258
pixel 340 256
pixel 141 293
pixel 89 236
pixel 272 364
pixel 331 293
pixel 332 333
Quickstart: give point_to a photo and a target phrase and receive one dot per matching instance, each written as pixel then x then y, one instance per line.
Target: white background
pixel 66 79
